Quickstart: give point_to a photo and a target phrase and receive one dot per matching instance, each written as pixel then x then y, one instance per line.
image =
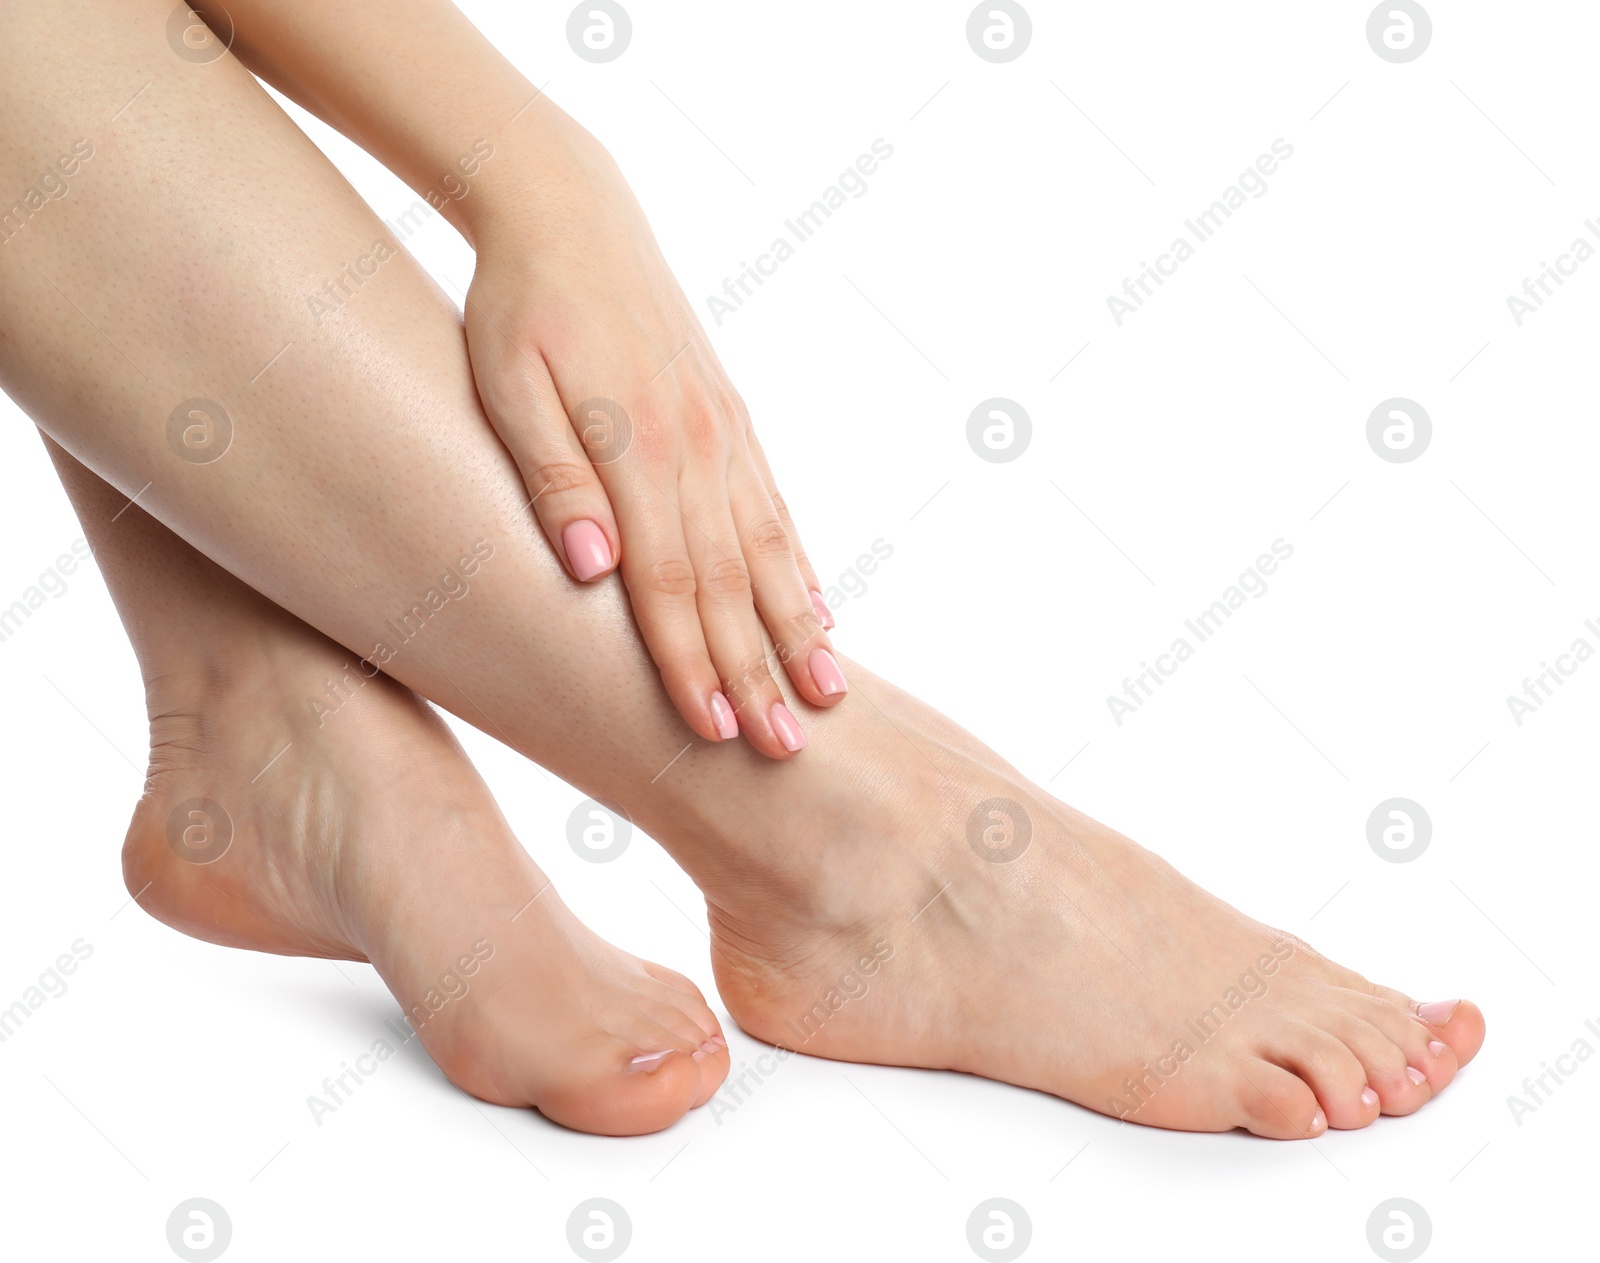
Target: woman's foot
pixel 940 911
pixel 369 836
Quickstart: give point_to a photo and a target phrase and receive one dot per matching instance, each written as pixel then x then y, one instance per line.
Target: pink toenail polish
pixel 1319 1120
pixel 1436 1047
pixel 819 607
pixel 716 1043
pixel 787 727
pixel 1369 1098
pixel 649 1063
pixel 825 671
pixel 722 715
pixel 1437 1012
pixel 588 550
pixel 1416 1076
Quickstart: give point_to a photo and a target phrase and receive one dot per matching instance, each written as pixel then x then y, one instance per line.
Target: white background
pixel 1229 412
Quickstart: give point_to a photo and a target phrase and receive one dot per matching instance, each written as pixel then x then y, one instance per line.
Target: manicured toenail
pixel 1436 1047
pixel 825 672
pixel 1416 1076
pixel 711 1045
pixel 699 1054
pixel 649 1062
pixel 1319 1120
pixel 716 1043
pixel 787 727
pixel 819 607
pixel 1369 1098
pixel 1437 1012
pixel 722 715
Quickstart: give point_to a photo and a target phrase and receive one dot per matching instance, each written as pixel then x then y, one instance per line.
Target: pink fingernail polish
pixel 722 715
pixel 787 727
pixel 825 671
pixel 1438 1012
pixel 1319 1120
pixel 1436 1047
pixel 1369 1098
pixel 1416 1076
pixel 819 607
pixel 588 550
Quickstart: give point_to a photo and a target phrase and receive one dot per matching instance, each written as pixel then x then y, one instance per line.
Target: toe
pixel 1277 1104
pixel 1433 1057
pixel 1456 1023
pixel 622 1090
pixel 1331 1069
pixel 1397 1067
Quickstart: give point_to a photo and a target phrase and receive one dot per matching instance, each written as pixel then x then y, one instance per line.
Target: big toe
pixel 1458 1023
pixel 624 1092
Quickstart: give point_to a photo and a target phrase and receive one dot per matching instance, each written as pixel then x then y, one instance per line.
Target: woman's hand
pixel 637 452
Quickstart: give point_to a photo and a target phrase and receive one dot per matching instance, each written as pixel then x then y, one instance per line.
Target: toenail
pixel 1369 1098
pixel 716 1043
pixel 1437 1012
pixel 787 727
pixel 1436 1047
pixel 826 674
pixel 649 1063
pixel 722 715
pixel 1416 1076
pixel 1319 1121
pixel 705 1050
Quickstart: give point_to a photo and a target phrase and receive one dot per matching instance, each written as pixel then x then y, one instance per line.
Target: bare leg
pixel 361 469
pixel 370 837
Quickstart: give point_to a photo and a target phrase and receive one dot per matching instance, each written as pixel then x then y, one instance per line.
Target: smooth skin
pixel 365 467
pixel 362 832
pixel 573 310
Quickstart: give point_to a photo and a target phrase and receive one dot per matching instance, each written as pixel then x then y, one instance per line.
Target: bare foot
pixel 371 837
pixel 940 911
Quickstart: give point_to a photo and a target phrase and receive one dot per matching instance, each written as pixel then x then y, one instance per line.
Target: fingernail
pixel 1319 1120
pixel 649 1063
pixel 819 607
pixel 1437 1012
pixel 722 715
pixel 1369 1098
pixel 588 550
pixel 1416 1076
pixel 1436 1047
pixel 825 671
pixel 787 727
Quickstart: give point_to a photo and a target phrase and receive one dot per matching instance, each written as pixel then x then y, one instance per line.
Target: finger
pixel 733 630
pixel 780 592
pixel 566 494
pixel 813 584
pixel 663 590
